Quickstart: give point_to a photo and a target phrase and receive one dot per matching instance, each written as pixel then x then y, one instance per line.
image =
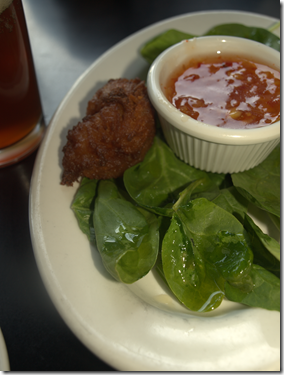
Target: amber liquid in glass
pixel 20 106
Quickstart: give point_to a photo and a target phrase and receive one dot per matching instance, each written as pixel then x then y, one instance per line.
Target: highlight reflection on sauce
pixel 226 92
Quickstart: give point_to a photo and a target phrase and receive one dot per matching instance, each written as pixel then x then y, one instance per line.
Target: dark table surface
pixel 66 37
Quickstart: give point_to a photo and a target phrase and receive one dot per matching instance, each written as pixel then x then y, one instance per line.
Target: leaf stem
pixel 184 196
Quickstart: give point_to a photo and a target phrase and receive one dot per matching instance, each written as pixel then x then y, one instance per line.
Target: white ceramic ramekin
pixel 211 148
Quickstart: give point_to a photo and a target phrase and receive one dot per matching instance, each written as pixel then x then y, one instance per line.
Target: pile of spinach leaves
pixel 190 224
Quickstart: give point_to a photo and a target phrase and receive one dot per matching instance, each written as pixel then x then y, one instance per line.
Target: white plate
pixel 136 328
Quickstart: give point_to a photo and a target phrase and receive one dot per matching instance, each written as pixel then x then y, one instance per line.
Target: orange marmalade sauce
pixel 226 92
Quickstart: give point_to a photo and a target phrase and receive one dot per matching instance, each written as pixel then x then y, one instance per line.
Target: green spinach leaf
pixel 195 282
pixel 127 237
pixel 265 294
pixel 157 45
pixel 232 201
pixel 83 206
pixel 257 34
pixel 275 220
pixel 228 198
pixel 266 249
pixel 205 246
pixel 156 182
pixel 261 184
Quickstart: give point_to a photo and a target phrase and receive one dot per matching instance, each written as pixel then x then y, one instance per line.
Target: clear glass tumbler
pixel 21 119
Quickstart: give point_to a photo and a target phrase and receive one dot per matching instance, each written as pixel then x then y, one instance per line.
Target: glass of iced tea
pixel 21 120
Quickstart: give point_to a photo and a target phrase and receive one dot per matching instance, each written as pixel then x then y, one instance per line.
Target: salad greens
pixel 192 225
pixel 195 224
pixel 170 37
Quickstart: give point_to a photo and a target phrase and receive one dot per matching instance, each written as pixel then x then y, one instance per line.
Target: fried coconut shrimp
pixel 116 133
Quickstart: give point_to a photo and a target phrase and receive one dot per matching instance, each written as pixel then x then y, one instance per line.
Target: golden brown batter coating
pixel 116 133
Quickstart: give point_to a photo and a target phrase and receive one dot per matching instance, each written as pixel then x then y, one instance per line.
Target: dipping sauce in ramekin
pixel 226 92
